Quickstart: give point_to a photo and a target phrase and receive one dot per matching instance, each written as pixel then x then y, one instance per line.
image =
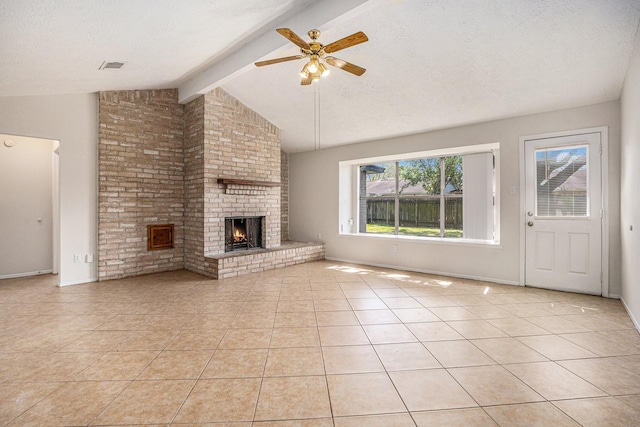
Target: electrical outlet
pixel 76 257
pixel 319 236
pixel 394 249
pixel 89 258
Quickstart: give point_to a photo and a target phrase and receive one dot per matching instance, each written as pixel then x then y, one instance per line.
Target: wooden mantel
pixel 235 181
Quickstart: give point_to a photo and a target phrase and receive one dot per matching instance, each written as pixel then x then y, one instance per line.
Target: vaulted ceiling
pixel 431 64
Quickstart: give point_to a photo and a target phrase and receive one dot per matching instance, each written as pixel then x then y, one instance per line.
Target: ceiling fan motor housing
pixel 314 34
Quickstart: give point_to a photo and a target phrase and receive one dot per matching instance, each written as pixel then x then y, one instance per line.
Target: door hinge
pixel 601 149
pixel 601 278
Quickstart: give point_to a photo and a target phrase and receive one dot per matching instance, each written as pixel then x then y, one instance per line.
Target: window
pixel 448 194
pixel 561 177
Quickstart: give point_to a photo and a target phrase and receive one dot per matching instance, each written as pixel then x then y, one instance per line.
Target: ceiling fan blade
pixel 277 60
pixel 346 42
pixel 306 81
pixel 293 37
pixel 344 65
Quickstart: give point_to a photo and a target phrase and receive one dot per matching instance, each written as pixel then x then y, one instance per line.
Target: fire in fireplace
pixel 242 233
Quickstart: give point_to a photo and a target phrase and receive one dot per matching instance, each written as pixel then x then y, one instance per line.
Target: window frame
pixel 350 200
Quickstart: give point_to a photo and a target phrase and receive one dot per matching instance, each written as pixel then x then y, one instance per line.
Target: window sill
pixel 428 240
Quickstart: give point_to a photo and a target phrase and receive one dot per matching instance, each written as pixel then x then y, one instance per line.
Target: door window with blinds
pixel 562 184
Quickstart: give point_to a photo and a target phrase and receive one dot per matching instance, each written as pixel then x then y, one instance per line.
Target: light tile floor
pixel 314 345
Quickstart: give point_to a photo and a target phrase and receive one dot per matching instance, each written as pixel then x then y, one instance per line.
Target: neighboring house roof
pixel 388 186
pixel 576 182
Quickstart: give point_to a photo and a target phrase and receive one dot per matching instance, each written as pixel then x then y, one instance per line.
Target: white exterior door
pixel 563 213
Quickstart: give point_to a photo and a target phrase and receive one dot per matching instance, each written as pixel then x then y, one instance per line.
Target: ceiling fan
pixel 316 51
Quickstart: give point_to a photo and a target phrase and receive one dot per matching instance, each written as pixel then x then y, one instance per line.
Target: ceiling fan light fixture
pixel 323 70
pixel 315 52
pixel 304 73
pixel 313 64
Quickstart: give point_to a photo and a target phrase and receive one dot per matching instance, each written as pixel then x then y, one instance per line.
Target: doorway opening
pixel 30 217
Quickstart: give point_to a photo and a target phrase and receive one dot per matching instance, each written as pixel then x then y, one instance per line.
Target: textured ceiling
pixel 430 64
pixel 53 46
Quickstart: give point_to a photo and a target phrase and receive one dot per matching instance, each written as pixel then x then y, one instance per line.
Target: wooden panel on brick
pixel 159 236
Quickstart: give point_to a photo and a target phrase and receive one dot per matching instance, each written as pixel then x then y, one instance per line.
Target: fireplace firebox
pixel 242 233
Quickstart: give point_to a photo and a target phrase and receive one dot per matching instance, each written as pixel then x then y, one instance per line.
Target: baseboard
pixel 27 274
pixel 438 273
pixel 631 316
pixel 78 282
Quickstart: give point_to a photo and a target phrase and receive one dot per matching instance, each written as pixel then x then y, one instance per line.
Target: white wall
pixel 26 206
pixel 630 186
pixel 72 120
pixel 314 197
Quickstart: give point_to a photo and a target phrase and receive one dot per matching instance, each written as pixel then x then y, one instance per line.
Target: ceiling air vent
pixel 111 65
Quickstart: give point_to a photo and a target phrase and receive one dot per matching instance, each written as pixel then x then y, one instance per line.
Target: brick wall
pixel 284 196
pixel 194 185
pixel 141 178
pixel 238 143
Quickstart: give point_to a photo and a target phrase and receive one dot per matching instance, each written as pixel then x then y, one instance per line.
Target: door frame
pixel 55 206
pixel 604 183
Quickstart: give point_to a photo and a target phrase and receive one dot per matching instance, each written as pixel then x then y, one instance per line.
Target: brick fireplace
pixel 233 159
pixel 193 166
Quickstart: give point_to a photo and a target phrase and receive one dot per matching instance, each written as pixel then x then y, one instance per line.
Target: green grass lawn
pixel 412 231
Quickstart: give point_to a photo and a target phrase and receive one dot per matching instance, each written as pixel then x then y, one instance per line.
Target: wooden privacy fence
pixel 416 212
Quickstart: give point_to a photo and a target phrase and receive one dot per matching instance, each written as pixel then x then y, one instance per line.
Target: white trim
pixel 464 149
pixel 78 282
pixel 55 217
pixel 604 182
pixel 604 165
pixel 434 272
pixel 26 274
pixel 635 321
pixel 453 241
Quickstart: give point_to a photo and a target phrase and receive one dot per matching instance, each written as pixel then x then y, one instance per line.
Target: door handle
pixel 530 223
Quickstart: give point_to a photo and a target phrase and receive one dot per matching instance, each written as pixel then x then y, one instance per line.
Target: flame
pixel 239 236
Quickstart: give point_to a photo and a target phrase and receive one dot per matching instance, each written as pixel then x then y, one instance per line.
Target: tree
pixel 453 172
pixel 426 172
